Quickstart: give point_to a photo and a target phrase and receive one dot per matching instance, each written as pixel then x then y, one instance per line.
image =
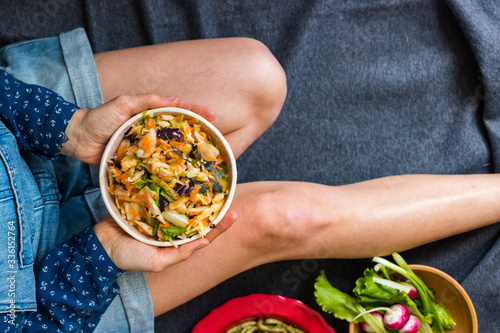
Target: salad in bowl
pixel 167 176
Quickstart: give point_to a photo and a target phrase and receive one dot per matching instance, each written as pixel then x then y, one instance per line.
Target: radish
pixel 413 293
pixel 367 328
pixel 412 326
pixel 396 317
pixel 406 287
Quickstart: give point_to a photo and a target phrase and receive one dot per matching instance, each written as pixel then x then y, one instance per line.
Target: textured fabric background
pixel 376 88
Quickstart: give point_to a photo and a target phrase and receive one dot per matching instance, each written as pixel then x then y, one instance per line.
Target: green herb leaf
pixel 143 181
pixel 445 316
pixel 367 291
pixel 342 305
pixel 156 189
pixel 172 231
pixel 155 229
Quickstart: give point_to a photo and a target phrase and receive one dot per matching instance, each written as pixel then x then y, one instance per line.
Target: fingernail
pixel 169 98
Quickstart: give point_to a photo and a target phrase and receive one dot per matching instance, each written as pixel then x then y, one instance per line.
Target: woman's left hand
pixel 89 131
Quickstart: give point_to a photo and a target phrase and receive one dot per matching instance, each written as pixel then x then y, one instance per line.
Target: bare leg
pixel 291 220
pixel 237 78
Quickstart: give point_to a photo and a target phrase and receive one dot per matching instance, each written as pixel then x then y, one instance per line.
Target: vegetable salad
pixel 168 178
pixel 407 306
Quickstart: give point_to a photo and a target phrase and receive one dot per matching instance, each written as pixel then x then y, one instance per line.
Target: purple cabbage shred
pixel 184 189
pixel 169 134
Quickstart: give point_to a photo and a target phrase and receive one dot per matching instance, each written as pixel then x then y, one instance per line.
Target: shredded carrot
pixel 123 176
pixel 204 221
pixel 129 187
pixel 134 213
pixel 196 212
pixel 219 159
pixel 176 204
pixel 151 123
pixel 164 144
pixel 122 196
pixel 194 193
pixel 162 159
pixel 181 146
pixel 146 144
pixel 121 152
pixel 210 192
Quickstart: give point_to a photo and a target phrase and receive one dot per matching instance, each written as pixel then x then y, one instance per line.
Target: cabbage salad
pixel 168 178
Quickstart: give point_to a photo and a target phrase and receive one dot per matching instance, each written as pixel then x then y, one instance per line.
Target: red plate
pixel 257 306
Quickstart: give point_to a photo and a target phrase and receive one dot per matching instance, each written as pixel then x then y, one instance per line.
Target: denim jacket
pixel 21 213
pixel 44 288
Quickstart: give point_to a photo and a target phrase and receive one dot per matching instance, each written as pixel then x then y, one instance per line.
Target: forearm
pixel 402 212
pixel 35 115
pixel 292 220
pixel 75 285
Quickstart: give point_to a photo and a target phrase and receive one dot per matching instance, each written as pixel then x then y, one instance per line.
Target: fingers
pixel 172 256
pixel 125 251
pixel 198 109
pixel 131 105
pixel 226 222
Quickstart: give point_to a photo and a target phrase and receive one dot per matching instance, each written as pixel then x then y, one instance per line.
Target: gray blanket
pixel 376 88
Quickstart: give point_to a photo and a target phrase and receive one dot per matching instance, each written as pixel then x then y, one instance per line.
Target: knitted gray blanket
pixel 375 88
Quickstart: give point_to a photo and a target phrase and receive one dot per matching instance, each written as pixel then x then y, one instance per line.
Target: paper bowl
pixel 110 150
pixel 450 293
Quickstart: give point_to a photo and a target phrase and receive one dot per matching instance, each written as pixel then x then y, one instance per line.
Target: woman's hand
pixel 89 131
pixel 129 254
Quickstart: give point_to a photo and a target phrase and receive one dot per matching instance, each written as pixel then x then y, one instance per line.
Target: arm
pixel 292 220
pixel 40 119
pixel 35 115
pixel 77 279
pixel 75 285
pixel 88 131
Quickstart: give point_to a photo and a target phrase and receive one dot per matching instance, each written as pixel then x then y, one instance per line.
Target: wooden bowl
pixel 450 293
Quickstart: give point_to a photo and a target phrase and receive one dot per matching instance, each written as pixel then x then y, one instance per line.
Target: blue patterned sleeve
pixel 37 116
pixel 75 286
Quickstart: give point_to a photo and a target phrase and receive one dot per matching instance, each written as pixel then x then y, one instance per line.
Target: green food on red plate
pixel 267 325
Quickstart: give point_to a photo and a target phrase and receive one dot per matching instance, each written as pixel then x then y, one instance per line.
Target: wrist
pixel 102 231
pixel 70 141
pixel 96 252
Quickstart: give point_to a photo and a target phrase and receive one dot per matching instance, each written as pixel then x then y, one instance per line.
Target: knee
pixel 278 218
pixel 264 78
